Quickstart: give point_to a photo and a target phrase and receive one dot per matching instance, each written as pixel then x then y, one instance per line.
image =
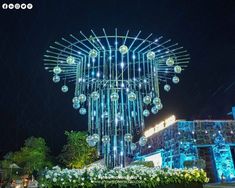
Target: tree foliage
pixel 33 156
pixel 76 153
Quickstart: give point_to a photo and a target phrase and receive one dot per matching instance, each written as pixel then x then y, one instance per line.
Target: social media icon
pixel 4 6
pixel 23 6
pixel 10 6
pixel 29 5
pixel 17 6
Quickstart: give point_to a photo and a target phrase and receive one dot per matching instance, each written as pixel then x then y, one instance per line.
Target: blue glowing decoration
pixel 133 146
pixel 156 101
pixel 93 54
pixel 90 141
pixel 177 69
pixel 123 49
pixel 146 113
pixel 143 140
pixel 114 96
pixel 64 88
pixel 105 139
pixel 154 110
pixel 232 112
pixel 170 61
pixel 82 111
pixel 75 100
pixel 147 100
pixel 76 105
pixel 131 96
pixel 116 77
pixel 82 98
pixel 95 95
pixel 128 137
pixel 175 79
pixel 210 140
pixel 96 137
pixel 70 60
pixel 223 158
pixel 167 87
pixel 57 70
pixel 151 55
pixel 56 78
pixel 159 106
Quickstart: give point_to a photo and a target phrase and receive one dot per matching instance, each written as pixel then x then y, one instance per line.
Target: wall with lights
pixel 180 140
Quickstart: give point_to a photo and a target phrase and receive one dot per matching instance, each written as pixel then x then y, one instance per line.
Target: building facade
pixel 172 142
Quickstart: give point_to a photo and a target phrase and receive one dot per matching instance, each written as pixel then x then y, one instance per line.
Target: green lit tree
pixel 76 153
pixel 32 157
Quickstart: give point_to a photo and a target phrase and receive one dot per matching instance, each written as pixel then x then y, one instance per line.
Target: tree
pixel 33 156
pixel 76 153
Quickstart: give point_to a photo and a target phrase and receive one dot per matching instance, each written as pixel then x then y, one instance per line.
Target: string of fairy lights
pixel 116 80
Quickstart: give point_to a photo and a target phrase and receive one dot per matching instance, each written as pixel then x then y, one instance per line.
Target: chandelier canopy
pixel 116 80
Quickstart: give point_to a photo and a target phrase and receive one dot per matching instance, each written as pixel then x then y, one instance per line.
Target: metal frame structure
pixel 117 80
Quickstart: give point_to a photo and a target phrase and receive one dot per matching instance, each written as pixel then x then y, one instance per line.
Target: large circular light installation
pixel 117 80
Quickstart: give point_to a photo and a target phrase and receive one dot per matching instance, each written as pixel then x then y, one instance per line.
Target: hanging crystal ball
pixel 95 95
pixel 175 79
pixel 64 88
pixel 154 110
pixel 128 137
pixel 105 139
pixel 167 87
pixel 170 61
pixel 114 96
pixel 96 137
pixel 177 69
pixel 92 144
pixel 123 49
pixel 133 113
pixel 150 55
pixel 142 141
pixel 82 98
pixel 159 106
pixel 156 100
pixel 70 60
pixel 133 146
pixel 56 79
pixel 89 138
pixel 82 111
pixel 75 100
pixel 131 96
pixel 147 99
pixel 93 53
pixel 76 105
pixel 146 113
pixel 90 141
pixel 57 70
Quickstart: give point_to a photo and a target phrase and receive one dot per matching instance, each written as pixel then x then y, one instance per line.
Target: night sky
pixel 32 105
